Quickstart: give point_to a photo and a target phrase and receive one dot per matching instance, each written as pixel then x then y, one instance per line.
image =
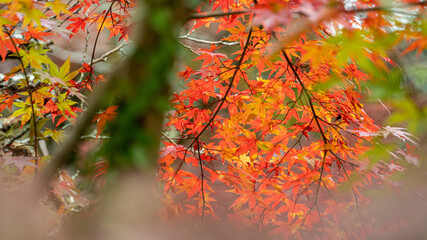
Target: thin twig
pixel 221 102
pixel 189 48
pixel 356 199
pixel 111 52
pixel 207 41
pixel 229 87
pixel 30 95
pixel 86 43
pixel 16 137
pixel 202 176
pixel 96 39
pixel 168 138
pixel 316 195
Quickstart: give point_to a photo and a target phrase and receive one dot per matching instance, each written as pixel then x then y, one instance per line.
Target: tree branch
pixel 137 74
pixel 30 95
pixel 109 53
pixel 219 14
pixel 207 41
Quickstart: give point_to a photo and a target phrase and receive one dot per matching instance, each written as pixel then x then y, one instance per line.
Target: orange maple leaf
pixel 103 117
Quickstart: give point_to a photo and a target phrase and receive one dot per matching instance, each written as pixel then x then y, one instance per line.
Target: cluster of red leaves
pixel 263 142
pixel 258 124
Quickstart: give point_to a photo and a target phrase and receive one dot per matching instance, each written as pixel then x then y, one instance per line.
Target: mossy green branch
pixel 141 85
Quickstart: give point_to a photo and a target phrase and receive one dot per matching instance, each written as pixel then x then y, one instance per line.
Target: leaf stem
pixel 96 39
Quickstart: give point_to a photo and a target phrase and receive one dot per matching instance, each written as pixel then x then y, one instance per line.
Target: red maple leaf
pixel 103 117
pixel 77 23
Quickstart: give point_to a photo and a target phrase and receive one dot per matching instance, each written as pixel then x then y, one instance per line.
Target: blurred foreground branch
pixel 142 85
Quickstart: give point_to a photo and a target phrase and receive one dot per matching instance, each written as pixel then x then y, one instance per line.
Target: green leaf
pixel 35 57
pixel 57 135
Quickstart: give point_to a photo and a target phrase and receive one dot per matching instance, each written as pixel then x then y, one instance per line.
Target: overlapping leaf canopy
pixel 267 123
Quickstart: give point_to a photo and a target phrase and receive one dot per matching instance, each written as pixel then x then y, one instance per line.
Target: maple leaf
pixel 419 44
pixel 57 7
pixel 409 158
pixel 35 56
pixel 66 191
pixel 103 117
pixel 187 73
pixel 77 23
pixel 208 56
pixel 32 14
pixel 57 135
pixel 399 132
pixel 170 149
pixel 19 161
pixel 7 101
pixel 318 54
pixel 24 112
pixel 63 77
pixel 101 168
pixel 6 45
pixel 224 4
pixel 36 33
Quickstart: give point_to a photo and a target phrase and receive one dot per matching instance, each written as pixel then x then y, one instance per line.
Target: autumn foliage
pixel 266 128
